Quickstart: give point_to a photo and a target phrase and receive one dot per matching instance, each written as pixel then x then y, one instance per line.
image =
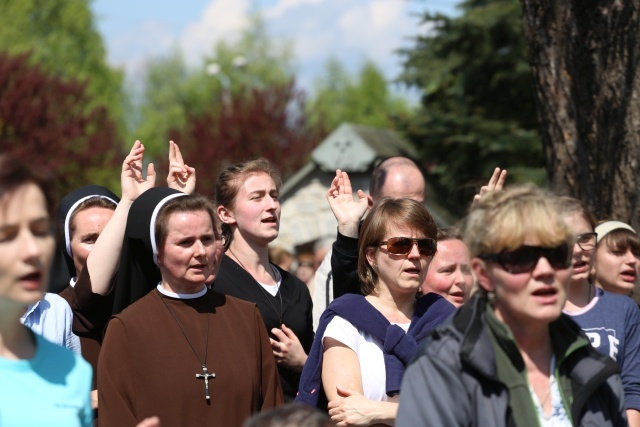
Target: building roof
pixel 356 148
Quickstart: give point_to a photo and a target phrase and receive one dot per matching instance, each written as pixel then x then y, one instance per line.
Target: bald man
pixel 395 177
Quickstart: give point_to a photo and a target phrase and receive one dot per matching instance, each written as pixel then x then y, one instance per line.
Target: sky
pixel 350 30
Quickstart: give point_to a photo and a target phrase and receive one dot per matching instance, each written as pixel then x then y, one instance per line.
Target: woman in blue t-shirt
pixel 610 321
pixel 35 373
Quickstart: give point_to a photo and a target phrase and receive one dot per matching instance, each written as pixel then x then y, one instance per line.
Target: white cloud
pixel 386 14
pixel 375 26
pixel 133 48
pixel 284 6
pixel 350 30
pixel 221 19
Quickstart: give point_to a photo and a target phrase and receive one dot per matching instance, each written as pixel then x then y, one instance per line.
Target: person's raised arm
pixel 348 212
pixel 102 262
pixel 181 176
pixel 496 183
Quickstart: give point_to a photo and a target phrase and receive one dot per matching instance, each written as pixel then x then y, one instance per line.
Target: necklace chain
pixel 546 396
pixel 549 387
pixel 266 296
pixel 206 347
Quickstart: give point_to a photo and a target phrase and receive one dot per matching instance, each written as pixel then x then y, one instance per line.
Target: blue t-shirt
pixel 611 322
pixel 51 389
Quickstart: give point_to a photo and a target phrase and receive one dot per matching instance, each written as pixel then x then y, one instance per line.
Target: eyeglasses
pixel 525 258
pixel 403 245
pixel 587 241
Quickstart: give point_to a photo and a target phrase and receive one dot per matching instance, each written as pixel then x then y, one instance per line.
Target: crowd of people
pixel 164 307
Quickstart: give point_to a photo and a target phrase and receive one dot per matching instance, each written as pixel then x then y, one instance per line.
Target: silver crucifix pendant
pixel 206 376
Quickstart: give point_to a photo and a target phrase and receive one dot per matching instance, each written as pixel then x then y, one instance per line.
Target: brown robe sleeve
pixel 270 381
pixel 115 389
pixel 91 311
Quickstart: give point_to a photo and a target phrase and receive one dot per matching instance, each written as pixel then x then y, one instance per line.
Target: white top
pixel 558 416
pixel 369 352
pixel 273 289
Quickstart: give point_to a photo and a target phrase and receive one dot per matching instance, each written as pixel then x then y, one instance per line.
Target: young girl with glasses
pixel 363 342
pixel 610 321
pixel 509 356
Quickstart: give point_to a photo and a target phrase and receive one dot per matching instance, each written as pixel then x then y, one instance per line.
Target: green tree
pixel 62 39
pixel 166 102
pixel 477 108
pixel 174 92
pixel 261 122
pixel 263 60
pixel 363 99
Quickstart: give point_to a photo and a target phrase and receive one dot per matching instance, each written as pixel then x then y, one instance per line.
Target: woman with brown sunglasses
pixel 510 356
pixel 364 341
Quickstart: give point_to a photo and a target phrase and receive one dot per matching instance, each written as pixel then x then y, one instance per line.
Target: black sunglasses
pixel 525 258
pixel 403 245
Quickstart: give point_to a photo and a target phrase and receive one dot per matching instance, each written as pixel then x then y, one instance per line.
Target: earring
pixel 491 296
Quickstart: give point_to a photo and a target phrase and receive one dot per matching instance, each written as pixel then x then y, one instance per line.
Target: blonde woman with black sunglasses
pixel 509 356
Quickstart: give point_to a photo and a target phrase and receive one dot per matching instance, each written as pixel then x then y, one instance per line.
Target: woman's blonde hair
pixel 502 220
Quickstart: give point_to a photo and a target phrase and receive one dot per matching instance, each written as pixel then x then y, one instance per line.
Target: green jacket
pixel 454 379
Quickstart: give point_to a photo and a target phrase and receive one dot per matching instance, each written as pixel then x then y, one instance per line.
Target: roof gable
pixel 355 148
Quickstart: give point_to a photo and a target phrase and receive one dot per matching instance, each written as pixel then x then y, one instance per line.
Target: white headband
pixel 67 219
pixel 609 226
pixel 152 224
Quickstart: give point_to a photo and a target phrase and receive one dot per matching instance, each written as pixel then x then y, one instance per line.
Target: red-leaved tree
pixel 268 122
pixel 45 121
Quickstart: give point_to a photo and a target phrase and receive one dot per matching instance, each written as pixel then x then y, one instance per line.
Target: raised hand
pixel 347 211
pixel 181 177
pixel 102 261
pixel 495 183
pixel 132 179
pixel 287 349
